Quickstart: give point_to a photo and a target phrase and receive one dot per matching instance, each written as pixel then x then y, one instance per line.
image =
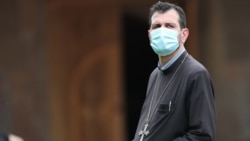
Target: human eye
pixel 168 25
pixel 154 26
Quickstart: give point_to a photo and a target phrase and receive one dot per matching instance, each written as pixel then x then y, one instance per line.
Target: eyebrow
pixel 167 23
pixel 164 23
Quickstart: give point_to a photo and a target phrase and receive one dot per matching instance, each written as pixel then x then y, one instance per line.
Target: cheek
pixel 180 38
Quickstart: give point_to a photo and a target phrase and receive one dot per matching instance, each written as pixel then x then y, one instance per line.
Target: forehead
pixel 168 16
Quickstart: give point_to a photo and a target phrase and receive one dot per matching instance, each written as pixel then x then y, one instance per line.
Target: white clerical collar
pixel 171 61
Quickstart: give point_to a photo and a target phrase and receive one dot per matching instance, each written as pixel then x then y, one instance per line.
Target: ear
pixel 184 35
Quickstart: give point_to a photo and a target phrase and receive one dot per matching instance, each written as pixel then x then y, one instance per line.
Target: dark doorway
pixel 139 61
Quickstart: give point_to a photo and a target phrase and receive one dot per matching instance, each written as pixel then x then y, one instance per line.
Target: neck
pixel 165 59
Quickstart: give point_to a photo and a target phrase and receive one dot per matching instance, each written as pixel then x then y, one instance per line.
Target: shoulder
pixel 153 76
pixel 194 67
pixel 154 73
pixel 198 79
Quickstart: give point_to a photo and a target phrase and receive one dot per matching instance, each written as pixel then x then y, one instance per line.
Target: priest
pixel 180 100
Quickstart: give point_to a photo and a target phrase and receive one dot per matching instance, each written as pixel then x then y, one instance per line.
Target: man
pixel 179 104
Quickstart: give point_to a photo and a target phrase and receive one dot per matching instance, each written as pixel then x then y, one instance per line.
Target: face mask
pixel 164 41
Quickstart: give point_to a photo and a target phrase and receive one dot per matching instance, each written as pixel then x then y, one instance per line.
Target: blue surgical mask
pixel 164 41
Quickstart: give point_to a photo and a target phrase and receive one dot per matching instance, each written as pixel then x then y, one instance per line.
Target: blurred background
pixel 77 70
